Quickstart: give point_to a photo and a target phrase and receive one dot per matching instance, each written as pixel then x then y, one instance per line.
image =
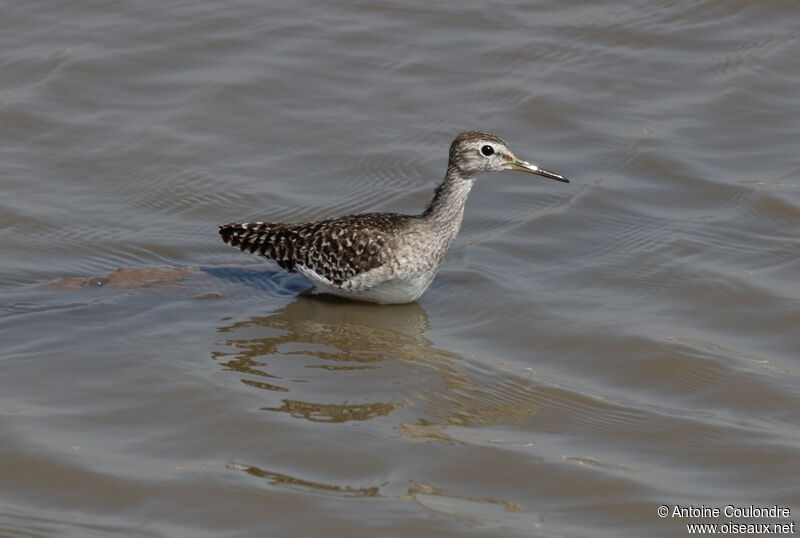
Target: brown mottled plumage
pixel 383 257
pixel 338 248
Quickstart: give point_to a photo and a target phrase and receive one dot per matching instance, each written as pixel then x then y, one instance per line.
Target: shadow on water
pixel 274 281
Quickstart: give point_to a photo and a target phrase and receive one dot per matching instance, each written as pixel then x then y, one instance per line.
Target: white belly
pixel 395 291
pixel 375 287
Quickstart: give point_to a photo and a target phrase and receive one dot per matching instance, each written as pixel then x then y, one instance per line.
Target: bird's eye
pixel 487 151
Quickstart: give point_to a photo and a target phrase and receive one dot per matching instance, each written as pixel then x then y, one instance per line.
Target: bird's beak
pixel 525 166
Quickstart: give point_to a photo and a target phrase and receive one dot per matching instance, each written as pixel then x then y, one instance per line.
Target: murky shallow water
pixel 588 352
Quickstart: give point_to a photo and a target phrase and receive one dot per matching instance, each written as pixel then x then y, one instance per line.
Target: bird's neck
pixel 447 204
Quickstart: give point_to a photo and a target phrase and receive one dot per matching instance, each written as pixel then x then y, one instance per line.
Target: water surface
pixel 587 353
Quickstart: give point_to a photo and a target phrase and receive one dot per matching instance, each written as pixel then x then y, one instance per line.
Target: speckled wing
pixel 336 249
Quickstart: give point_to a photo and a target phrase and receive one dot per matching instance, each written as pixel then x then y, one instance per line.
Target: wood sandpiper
pixel 383 257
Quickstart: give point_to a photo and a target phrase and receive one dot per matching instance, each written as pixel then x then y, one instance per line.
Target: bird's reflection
pixel 325 360
pixel 348 361
pixel 327 334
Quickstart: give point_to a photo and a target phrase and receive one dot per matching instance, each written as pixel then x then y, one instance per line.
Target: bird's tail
pixel 250 237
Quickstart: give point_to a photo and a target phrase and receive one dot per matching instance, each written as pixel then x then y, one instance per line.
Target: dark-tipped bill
pixel 525 166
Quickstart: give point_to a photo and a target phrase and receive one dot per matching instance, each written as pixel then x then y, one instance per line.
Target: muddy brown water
pixel 588 353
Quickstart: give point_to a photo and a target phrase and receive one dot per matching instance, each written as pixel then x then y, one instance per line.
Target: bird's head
pixel 477 152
